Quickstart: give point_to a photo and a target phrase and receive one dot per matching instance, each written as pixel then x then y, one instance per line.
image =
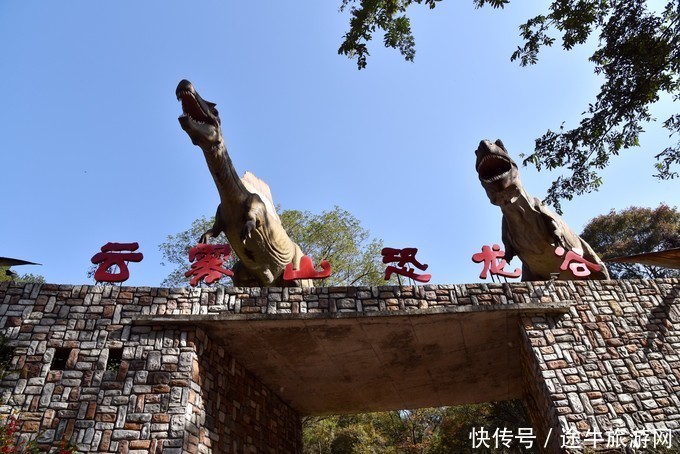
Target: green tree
pixel 338 237
pixel 176 247
pixel 346 434
pixel 637 54
pixel 415 431
pixel 633 231
pixel 28 277
pixel 458 423
pixel 440 430
pixel 334 235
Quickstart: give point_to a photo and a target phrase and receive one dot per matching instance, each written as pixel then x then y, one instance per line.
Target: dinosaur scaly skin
pixel 529 229
pixel 246 213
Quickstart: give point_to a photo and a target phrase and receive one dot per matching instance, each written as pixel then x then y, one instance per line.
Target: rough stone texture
pixel 173 391
pixel 613 361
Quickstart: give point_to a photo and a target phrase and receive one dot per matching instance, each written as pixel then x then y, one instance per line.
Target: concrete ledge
pixel 561 307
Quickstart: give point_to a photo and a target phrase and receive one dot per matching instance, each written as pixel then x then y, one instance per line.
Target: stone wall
pixel 84 370
pixel 230 410
pixel 611 365
pixel 81 371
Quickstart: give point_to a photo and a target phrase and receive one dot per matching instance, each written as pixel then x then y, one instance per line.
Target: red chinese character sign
pixel 402 257
pixel 492 257
pixel 111 258
pixel 578 266
pixel 208 260
pixel 307 270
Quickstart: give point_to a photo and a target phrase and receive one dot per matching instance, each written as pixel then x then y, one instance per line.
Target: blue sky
pixel 91 150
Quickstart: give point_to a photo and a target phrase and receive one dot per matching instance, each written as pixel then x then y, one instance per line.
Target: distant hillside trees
pixel 632 231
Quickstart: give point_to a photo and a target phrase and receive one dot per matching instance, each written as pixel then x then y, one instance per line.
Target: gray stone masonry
pixel 611 365
pixel 83 369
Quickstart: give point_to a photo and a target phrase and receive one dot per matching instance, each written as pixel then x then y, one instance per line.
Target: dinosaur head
pixel 199 118
pixel 497 172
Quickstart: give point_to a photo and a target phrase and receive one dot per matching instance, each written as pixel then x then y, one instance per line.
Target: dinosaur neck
pixel 232 191
pixel 520 205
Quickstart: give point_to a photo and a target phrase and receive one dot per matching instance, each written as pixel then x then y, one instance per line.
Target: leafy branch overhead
pixel 390 17
pixel 637 55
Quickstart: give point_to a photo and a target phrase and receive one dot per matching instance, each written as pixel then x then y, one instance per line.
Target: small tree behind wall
pixel 634 231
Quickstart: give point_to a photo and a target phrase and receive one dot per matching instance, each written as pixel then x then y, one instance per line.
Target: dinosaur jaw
pixel 497 172
pixel 199 118
pixel 199 132
pixel 494 168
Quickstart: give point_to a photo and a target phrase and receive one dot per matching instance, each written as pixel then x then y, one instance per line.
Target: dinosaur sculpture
pixel 246 213
pixel 529 229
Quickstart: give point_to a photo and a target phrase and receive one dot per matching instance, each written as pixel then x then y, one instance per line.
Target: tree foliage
pixel 176 247
pixel 441 430
pixel 334 235
pixel 28 277
pixel 637 55
pixel 390 17
pixel 349 434
pixel 633 231
pixel 338 237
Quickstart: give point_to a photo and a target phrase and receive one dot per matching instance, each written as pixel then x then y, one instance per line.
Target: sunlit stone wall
pixel 608 370
pixel 82 371
pixel 81 368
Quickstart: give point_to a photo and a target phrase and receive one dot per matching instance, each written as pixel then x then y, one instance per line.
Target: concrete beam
pixel 335 363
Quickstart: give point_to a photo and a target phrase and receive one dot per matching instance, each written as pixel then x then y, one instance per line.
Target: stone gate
pixel 233 370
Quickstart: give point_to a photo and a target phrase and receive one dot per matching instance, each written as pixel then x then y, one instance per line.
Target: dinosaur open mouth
pixel 191 108
pixel 493 168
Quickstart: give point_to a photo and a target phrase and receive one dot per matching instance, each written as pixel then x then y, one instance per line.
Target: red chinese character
pixel 306 270
pixel 208 265
pixel 402 257
pixel 111 256
pixel 579 266
pixel 493 262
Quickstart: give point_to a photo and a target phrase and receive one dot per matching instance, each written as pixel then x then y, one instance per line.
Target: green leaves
pixel 175 251
pixel 29 277
pixel 638 54
pixel 492 3
pixel 338 237
pixel 670 155
pixel 441 430
pixel 634 230
pixel 335 235
pixel 638 57
pixel 387 16
pixel 535 35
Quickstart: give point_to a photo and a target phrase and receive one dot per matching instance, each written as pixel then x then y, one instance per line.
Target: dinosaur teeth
pixel 493 168
pixel 497 177
pixel 191 108
pixel 484 159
